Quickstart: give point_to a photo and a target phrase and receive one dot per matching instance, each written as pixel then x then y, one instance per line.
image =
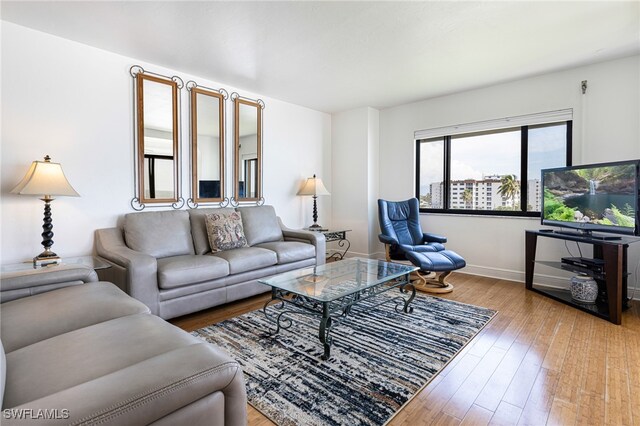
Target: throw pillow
pixel 225 231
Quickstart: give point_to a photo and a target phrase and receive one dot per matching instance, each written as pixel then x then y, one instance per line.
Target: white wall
pixel 373 178
pixel 355 143
pixel 606 128
pixel 349 159
pixel 74 102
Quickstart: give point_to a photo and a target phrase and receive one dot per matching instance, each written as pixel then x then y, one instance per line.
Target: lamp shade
pixel 45 178
pixel 313 186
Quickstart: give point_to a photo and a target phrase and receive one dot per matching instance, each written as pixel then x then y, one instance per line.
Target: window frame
pixel 524 163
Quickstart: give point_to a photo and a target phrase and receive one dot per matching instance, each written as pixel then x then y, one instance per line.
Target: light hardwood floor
pixel 538 362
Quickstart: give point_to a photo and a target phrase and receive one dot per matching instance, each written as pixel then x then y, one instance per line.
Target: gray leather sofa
pixel 90 354
pixel 164 259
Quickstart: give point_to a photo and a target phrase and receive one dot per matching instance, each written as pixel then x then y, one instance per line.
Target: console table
pixel 612 281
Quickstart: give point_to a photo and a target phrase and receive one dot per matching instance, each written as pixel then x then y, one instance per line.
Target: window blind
pixel 500 123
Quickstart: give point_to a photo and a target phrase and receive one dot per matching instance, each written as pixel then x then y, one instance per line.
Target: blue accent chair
pixel 404 240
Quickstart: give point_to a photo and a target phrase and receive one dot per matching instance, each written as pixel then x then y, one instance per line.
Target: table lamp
pixel 314 187
pixel 46 180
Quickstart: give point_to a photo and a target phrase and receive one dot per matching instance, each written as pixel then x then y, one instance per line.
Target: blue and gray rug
pixel 379 360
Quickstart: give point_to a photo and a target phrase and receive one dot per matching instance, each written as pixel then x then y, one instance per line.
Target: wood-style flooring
pixel 538 362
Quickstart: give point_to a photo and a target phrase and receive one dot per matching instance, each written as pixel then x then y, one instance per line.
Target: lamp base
pixel 39 261
pixel 317 228
pixel 47 257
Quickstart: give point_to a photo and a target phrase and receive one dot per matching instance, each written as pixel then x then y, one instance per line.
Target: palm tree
pixel 467 197
pixel 425 201
pixel 509 188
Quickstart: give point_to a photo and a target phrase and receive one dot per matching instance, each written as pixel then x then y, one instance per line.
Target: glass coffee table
pixel 330 291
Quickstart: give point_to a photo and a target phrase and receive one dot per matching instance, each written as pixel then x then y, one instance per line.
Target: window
pixel 455 172
pixel 433 176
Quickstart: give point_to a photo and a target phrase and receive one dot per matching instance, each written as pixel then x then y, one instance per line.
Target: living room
pixel 67 92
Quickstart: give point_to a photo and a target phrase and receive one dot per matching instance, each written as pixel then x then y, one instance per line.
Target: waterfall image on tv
pixel 602 197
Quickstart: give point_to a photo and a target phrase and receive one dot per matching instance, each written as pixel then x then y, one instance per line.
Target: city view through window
pixel 485 168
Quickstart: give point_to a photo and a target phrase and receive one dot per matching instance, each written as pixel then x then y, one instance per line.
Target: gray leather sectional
pixel 86 353
pixel 164 260
pixel 27 283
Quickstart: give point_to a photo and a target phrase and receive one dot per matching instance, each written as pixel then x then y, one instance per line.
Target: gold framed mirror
pixel 157 145
pixel 207 145
pixel 247 174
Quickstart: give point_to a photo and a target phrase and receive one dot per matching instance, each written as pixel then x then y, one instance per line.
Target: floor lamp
pixel 314 187
pixel 46 180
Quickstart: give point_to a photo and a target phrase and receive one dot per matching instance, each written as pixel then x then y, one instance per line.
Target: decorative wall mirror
pixel 247 174
pixel 157 151
pixel 207 146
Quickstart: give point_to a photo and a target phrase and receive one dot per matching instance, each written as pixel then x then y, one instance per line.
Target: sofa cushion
pixel 199 228
pixel 260 224
pixel 87 354
pixel 225 231
pixel 153 392
pixel 290 251
pixel 177 271
pixel 159 234
pixel 247 259
pixel 28 320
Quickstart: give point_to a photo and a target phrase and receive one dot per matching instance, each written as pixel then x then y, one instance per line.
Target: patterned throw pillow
pixel 225 231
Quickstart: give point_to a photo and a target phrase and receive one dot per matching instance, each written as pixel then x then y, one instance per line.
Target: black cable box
pixel 596 265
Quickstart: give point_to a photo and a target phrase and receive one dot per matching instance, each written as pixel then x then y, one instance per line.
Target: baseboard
pixel 356 254
pixel 513 275
pixel 484 271
pixel 352 254
pixel 379 255
pixel 546 280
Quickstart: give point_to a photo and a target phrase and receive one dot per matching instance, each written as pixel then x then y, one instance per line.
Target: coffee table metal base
pixel 283 304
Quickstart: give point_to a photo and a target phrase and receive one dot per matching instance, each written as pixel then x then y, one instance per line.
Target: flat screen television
pixel 209 189
pixel 594 197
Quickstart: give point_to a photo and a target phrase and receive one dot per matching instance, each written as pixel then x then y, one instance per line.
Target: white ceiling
pixel 334 56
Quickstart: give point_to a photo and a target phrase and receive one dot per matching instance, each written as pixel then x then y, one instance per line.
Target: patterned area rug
pixel 379 360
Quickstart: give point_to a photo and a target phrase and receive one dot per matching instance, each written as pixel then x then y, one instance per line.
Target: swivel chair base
pixel 431 282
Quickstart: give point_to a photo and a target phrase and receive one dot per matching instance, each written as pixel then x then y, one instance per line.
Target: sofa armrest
pixel 142 269
pixel 15 285
pixel 150 390
pixel 315 238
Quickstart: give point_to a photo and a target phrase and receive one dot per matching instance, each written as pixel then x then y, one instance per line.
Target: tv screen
pixel 209 189
pixel 595 197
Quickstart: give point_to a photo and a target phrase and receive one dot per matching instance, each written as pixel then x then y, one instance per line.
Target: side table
pixel 22 279
pixel 339 235
pixel 91 261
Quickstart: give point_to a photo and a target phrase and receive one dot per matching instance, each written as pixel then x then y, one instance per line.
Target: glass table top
pixel 334 280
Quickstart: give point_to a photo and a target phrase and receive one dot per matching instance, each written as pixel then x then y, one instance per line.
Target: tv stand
pixel 612 279
pixel 588 234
